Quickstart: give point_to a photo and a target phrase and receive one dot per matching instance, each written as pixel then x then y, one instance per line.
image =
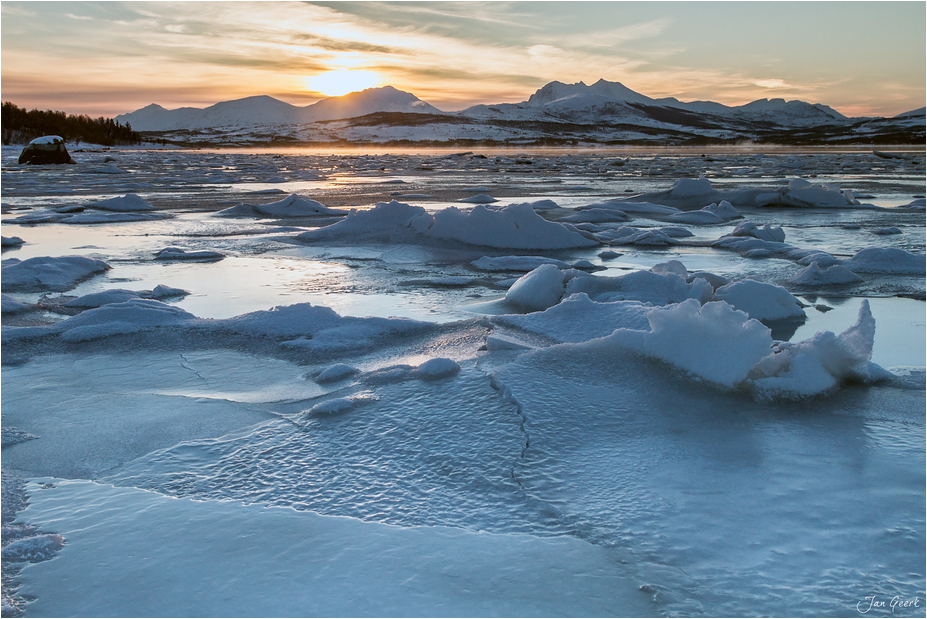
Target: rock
pixel 45 150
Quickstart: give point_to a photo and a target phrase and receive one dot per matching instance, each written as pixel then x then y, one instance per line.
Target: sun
pixel 337 83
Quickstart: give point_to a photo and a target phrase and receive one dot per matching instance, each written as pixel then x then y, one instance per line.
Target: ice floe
pixel 516 226
pixel 760 300
pixel 179 254
pixel 886 260
pixel 43 274
pixel 537 290
pixel 834 275
pixel 291 206
pixel 127 203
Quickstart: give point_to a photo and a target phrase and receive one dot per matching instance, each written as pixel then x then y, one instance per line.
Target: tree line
pixel 20 126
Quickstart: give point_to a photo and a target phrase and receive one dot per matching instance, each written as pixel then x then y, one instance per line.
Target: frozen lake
pixel 611 383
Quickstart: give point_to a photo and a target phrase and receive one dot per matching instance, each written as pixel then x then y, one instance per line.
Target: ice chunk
pixel 821 362
pixel 715 342
pixel 817 196
pixel 296 206
pixel 439 367
pixel 688 188
pixel 11 241
pixel 597 215
pixel 494 342
pixel 33 549
pixel 761 301
pixel 127 203
pixel 42 217
pixel 384 221
pixel 43 274
pixel 766 233
pixel 644 286
pixel 10 305
pixel 110 218
pixel 121 318
pixel 516 263
pixel 97 299
pixel 336 372
pixel 640 208
pixel 673 266
pixel 887 231
pixel 578 318
pixel 165 292
pixel 537 290
pixel 886 260
pixel 515 226
pixel 628 235
pixel 716 281
pixel 814 275
pixel 701 217
pixel 176 253
pixel 479 199
pixel 332 407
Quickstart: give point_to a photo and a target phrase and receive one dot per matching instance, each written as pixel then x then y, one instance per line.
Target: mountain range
pixel 558 113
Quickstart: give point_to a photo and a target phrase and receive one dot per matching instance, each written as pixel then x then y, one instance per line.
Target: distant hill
pixel 264 110
pixel 557 114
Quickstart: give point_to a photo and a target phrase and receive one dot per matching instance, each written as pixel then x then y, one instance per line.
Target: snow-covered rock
pixel 46 150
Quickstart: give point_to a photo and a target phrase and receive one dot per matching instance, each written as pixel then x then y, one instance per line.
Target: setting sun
pixel 337 83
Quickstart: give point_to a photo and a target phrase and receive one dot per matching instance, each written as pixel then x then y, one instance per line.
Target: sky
pixel 109 58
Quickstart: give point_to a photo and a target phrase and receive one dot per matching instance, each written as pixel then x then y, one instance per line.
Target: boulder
pixel 44 150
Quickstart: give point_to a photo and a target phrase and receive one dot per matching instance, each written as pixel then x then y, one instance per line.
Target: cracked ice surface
pixel 610 437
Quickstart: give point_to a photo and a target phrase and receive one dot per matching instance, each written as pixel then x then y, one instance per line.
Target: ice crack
pixel 184 365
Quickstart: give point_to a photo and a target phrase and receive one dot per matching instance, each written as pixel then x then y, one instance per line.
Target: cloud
pixel 772 83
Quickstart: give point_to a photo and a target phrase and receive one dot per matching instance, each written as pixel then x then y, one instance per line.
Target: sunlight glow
pixel 337 83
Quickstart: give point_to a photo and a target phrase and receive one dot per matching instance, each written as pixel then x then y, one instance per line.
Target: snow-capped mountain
pixel 264 110
pixel 577 102
pixel 603 113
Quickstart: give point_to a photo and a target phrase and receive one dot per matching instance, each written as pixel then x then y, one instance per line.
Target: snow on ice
pixel 478 394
